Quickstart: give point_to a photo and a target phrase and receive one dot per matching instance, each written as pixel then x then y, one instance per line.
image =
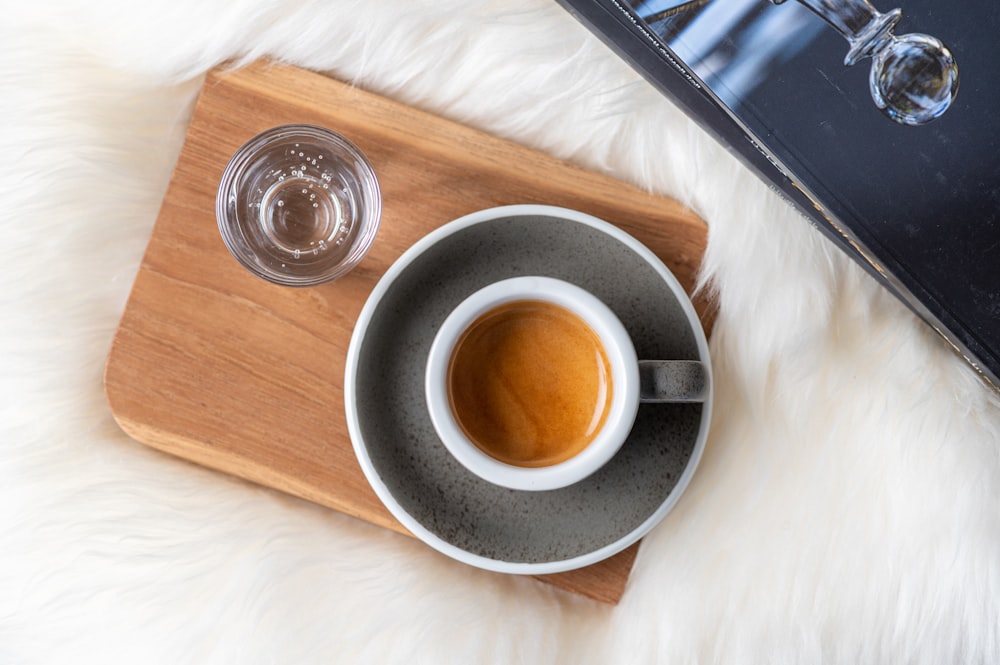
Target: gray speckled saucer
pixel 434 496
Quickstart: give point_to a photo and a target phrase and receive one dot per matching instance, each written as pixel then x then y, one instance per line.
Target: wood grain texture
pixel 223 369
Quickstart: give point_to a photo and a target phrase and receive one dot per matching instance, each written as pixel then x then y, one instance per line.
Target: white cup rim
pixel 624 371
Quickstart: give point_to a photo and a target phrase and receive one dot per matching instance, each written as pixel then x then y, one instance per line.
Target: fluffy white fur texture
pixel 847 509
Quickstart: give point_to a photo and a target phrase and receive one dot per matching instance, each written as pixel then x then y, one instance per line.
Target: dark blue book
pixel 880 124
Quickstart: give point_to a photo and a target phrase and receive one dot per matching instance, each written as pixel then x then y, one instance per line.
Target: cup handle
pixel 672 381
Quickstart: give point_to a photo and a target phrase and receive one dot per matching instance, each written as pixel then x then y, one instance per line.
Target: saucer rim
pixel 381 490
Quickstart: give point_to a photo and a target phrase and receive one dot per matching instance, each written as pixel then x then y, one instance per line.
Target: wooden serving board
pixel 218 367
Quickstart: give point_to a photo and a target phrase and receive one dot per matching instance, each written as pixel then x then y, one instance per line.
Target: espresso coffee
pixel 530 383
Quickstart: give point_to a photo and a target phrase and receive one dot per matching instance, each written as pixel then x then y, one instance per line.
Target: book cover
pixel 878 120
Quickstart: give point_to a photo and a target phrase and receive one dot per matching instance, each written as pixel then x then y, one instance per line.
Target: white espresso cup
pixel 533 383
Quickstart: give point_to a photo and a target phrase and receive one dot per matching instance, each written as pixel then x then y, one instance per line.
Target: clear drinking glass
pixel 298 205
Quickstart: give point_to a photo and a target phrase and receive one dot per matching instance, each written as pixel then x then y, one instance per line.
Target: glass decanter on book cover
pixel 914 77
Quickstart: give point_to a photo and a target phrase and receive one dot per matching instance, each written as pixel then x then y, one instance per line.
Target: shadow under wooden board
pixel 216 366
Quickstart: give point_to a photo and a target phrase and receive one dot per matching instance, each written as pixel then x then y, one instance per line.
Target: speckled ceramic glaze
pixel 425 488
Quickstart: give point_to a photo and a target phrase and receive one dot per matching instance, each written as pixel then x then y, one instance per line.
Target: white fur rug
pixel 847 509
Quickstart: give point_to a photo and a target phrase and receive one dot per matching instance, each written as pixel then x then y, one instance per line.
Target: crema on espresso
pixel 530 383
